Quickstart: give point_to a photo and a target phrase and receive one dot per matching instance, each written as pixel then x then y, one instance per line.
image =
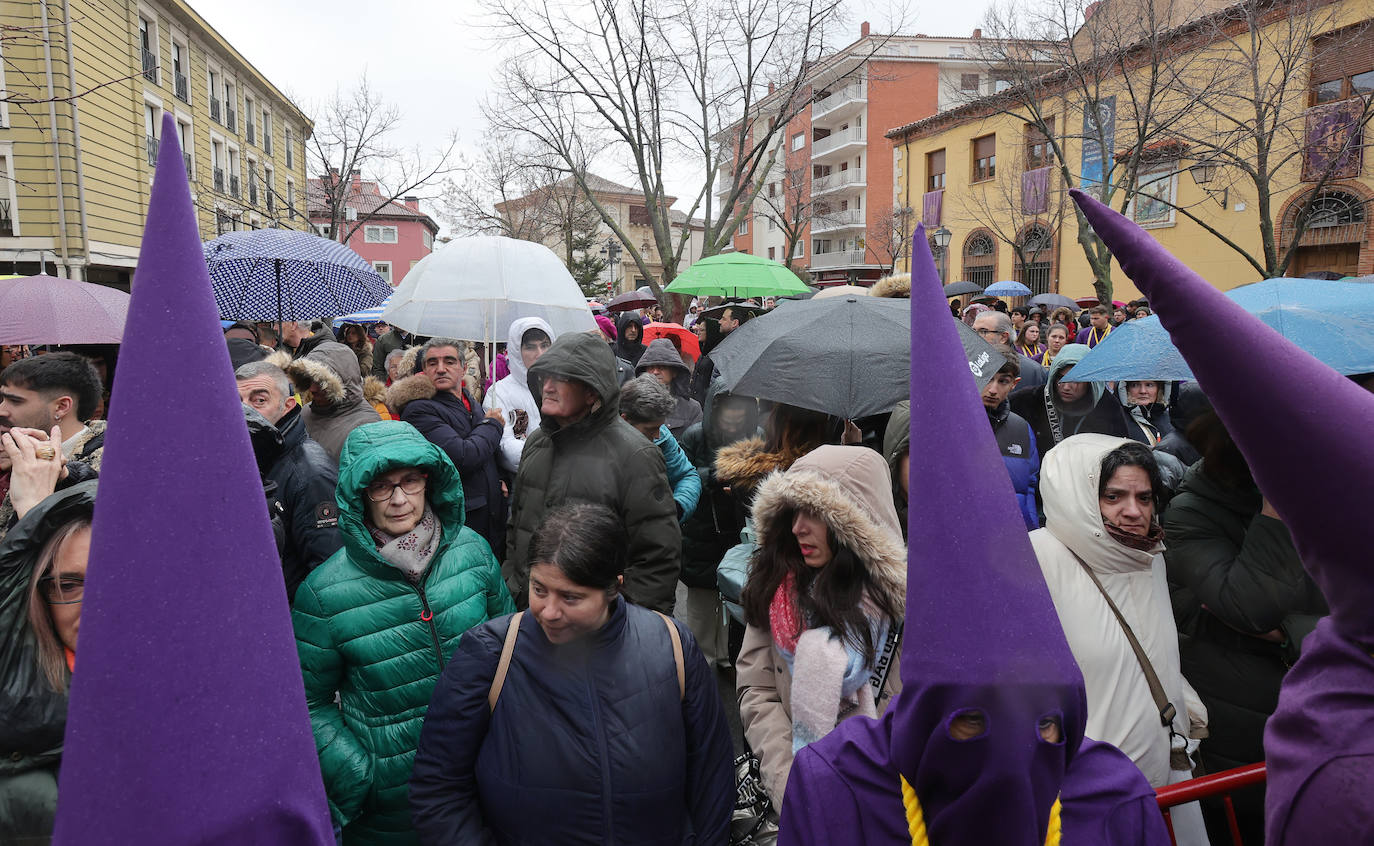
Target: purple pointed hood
pixel 1288 445
pixel 187 721
pixel 981 630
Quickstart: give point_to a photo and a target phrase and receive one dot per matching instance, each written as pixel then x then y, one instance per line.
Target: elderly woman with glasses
pixel 378 620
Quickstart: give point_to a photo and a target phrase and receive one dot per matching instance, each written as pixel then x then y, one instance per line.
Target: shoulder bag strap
pixel 884 664
pixel 1166 708
pixel 507 648
pixel 677 654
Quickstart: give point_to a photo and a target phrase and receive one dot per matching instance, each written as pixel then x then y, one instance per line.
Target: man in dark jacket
pixel 1015 440
pixel 387 343
pixel 996 328
pixel 454 421
pixel 299 341
pixel 584 451
pixel 304 474
pixel 662 360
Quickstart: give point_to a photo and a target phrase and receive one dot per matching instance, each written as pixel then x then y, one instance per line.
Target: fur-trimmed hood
pixel 850 489
pixel 743 464
pixel 408 389
pixel 896 286
pixel 334 367
pixel 373 390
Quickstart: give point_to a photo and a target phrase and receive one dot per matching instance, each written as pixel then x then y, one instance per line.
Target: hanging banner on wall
pixel 1099 139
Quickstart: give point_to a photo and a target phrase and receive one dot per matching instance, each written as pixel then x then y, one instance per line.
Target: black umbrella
pixel 958 289
pixel 846 356
pixel 1053 301
pixel 630 300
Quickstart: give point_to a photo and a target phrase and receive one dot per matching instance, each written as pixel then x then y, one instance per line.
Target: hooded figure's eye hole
pixel 968 725
pixel 1051 728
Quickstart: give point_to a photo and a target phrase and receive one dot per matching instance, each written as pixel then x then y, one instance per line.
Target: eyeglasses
pixel 986 332
pixel 66 590
pixel 410 484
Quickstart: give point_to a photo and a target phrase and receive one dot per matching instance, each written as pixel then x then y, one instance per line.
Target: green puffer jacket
pixel 366 633
pixel 599 459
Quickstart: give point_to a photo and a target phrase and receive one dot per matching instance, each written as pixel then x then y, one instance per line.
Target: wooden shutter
pixel 936 162
pixel 1342 53
pixel 985 147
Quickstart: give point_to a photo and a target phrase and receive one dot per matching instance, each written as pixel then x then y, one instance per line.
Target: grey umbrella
pixel 846 356
pixel 1053 301
pixel 958 289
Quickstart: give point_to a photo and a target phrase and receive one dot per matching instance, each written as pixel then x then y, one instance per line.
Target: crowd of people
pixel 502 567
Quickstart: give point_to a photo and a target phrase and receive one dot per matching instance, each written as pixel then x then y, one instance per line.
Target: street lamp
pixel 1204 172
pixel 611 252
pixel 941 237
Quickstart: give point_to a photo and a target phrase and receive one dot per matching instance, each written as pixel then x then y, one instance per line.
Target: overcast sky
pixel 430 57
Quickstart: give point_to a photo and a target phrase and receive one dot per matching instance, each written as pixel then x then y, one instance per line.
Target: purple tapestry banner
pixel 1035 191
pixel 930 207
pixel 1333 139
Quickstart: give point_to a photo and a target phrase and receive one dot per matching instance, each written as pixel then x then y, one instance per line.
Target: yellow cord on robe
pixel 916 821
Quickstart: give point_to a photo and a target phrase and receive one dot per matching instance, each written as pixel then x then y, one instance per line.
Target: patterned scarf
pixel 410 553
pixel 1143 543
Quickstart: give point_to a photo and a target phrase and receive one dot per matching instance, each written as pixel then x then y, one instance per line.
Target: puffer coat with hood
pixel 35 715
pixel 625 348
pixel 715 525
pixel 333 367
pixel 687 411
pixel 599 459
pixel 1147 424
pixel 845 487
pixel 368 634
pixel 1052 420
pixel 512 394
pixel 1120 709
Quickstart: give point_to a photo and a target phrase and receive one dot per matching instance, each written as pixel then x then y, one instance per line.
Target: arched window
pixel 980 259
pixel 1333 208
pixel 1035 259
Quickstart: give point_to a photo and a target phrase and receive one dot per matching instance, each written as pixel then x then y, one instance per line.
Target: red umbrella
pixel 51 310
pixel 686 338
pixel 630 300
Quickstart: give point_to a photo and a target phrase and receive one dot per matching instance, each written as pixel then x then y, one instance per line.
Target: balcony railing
pixel 229 115
pixel 150 66
pixel 186 157
pixel 6 218
pixel 183 88
pixel 233 186
pixel 837 220
pixel 267 140
pixel 214 108
pixel 219 179
pixel 856 92
pixel 150 146
pixel 252 193
pixel 251 131
pixel 842 258
pixel 838 139
pixel 271 198
pixel 837 179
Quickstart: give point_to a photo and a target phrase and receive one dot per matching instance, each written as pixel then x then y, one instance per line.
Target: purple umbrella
pixel 51 310
pixel 629 301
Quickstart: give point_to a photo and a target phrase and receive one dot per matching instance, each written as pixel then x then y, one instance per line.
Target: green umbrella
pixel 736 275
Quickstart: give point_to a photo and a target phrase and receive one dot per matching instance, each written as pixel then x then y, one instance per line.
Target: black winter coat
pixel 34 715
pixel 305 477
pixel 715 525
pixel 590 741
pixel 471 440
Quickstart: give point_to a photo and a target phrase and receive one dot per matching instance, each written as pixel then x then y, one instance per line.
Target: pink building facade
pixel 394 236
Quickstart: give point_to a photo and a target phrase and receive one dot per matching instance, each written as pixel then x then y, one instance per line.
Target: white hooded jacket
pixel 513 392
pixel 1120 709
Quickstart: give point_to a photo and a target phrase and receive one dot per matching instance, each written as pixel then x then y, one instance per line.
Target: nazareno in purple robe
pixel 1304 430
pixel 981 634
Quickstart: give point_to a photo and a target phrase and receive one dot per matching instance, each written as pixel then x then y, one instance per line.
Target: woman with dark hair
pixel 1242 600
pixel 1028 343
pixel 629 338
pixel 823 605
pixel 789 433
pixel 708 336
pixel 585 720
pixel 1056 337
pixel 354 336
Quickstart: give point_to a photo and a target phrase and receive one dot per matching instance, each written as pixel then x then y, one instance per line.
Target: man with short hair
pixel 996 329
pixel 453 420
pixel 59 389
pixel 733 318
pixel 1101 546
pixel 1098 330
pixel 1019 314
pixel 1015 440
pixel 304 474
pixel 583 450
pixel 296 336
pixel 645 404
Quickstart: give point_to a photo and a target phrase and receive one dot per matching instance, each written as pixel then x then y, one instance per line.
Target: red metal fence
pixel 1211 786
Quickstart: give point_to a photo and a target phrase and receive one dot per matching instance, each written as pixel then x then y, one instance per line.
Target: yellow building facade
pixel 79 133
pixel 987 178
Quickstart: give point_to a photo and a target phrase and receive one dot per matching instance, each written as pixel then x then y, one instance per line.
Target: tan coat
pixel 850 489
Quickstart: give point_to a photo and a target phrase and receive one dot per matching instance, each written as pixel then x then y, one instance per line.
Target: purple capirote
pixel 187 719
pixel 982 634
pixel 1302 428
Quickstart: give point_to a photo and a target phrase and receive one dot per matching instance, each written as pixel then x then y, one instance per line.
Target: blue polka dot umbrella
pixel 282 274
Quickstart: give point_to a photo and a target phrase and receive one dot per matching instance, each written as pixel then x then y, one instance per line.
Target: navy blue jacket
pixel 305 476
pixel 589 743
pixel 1016 442
pixel 471 443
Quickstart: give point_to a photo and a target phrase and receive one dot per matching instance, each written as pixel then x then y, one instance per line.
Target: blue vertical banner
pixel 1099 140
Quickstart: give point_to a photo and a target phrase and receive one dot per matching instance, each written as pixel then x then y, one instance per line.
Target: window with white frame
pixel 266 131
pixel 185 138
pixel 4 105
pixel 323 230
pixel 799 250
pixel 290 151
pixel 9 202
pixel 181 66
pixel 151 119
pixel 147 43
pixel 1154 199
pixel 798 141
pixel 383 269
pixel 290 198
pixel 743 226
pixel 379 234
pixel 269 186
pixel 428 239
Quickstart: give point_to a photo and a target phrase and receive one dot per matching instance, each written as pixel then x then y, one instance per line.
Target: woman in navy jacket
pixel 606 728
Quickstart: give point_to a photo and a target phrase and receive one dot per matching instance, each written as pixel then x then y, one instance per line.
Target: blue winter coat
pixel 1016 442
pixel 682 475
pixel 590 742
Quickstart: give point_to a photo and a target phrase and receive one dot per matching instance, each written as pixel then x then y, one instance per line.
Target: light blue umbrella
pixel 282 274
pixel 1007 289
pixel 367 315
pixel 1334 321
